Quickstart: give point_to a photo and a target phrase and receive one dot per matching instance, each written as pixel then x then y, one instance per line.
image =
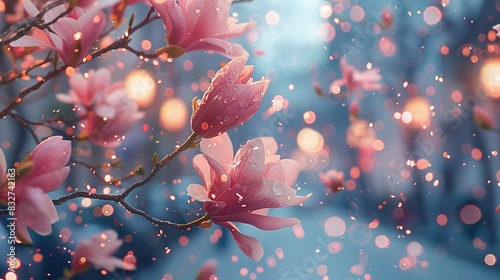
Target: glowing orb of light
pixel 141 87
pixel 490 77
pixel 309 140
pixel 173 114
pixel 417 112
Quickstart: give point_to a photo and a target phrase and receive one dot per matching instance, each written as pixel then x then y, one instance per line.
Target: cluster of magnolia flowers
pixel 236 188
pixel 190 26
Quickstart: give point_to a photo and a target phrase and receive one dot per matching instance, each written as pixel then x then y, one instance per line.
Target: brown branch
pixel 120 198
pixel 13 75
pixel 118 44
pixel 164 161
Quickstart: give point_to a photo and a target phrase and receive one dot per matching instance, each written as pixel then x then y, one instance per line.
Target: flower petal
pixel 258 193
pixel 220 148
pixel 198 192
pixel 37 211
pixel 249 161
pixel 248 245
pixel 260 221
pixel 285 171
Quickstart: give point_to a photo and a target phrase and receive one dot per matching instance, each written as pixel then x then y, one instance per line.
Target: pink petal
pixel 250 161
pixel 248 245
pixel 215 178
pixel 198 192
pixel 92 24
pixel 48 181
pixel 285 171
pixel 100 80
pixel 66 28
pixel 173 18
pixel 201 166
pixel 54 13
pixel 30 8
pixel 220 148
pixel 270 146
pixel 258 193
pixel 236 30
pixel 259 221
pixel 52 150
pixel 37 211
pixel 31 41
pixel 22 232
pixel 105 111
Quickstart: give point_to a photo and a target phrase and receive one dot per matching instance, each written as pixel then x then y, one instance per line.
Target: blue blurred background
pixel 419 204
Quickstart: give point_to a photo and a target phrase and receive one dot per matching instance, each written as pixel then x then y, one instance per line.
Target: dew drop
pixel 278 189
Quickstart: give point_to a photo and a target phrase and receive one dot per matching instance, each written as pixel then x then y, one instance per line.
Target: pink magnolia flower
pixel 97 251
pixel 200 25
pixel 107 111
pixel 42 171
pixel 207 271
pixel 71 38
pixel 237 189
pixel 231 99
pixel 333 179
pixel 353 79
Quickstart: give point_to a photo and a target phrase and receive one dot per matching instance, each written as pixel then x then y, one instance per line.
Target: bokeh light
pixel 141 87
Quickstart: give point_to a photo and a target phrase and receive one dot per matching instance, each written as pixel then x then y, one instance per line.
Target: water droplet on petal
pixel 278 189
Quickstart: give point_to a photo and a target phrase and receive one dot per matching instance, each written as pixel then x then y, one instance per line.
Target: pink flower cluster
pixel 71 37
pixel 42 171
pixel 106 110
pixel 200 25
pixel 238 188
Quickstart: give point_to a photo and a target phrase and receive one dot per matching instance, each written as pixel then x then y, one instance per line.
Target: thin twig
pixel 120 198
pixel 118 44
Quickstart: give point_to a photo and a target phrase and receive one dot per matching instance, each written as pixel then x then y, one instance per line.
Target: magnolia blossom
pixel 107 111
pixel 200 25
pixel 97 251
pixel 42 171
pixel 231 99
pixel 354 79
pixel 207 271
pixel 333 179
pixel 237 189
pixel 70 37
